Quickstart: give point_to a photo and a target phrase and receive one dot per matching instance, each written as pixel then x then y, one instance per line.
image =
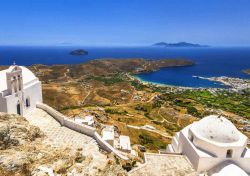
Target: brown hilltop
pixel 105 67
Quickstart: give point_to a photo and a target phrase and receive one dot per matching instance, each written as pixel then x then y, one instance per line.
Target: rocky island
pixel 179 44
pixel 247 71
pixel 79 52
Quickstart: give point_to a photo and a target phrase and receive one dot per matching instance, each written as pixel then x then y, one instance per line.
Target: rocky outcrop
pixel 16 131
pixel 25 151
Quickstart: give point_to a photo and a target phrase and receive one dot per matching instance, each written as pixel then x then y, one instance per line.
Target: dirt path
pixel 86 97
pixel 163 119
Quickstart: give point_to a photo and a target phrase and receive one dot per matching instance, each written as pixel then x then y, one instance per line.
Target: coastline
pixel 149 83
pixel 235 84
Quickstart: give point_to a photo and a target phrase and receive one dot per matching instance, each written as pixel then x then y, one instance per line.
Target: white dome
pixel 216 129
pixel 28 76
pixel 227 169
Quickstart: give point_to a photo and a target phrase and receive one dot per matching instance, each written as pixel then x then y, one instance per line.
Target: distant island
pixel 179 44
pixel 247 71
pixel 79 52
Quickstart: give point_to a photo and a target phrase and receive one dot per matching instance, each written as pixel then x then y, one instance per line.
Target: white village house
pixel 124 143
pixel 108 134
pixel 20 90
pixel 89 120
pixel 213 145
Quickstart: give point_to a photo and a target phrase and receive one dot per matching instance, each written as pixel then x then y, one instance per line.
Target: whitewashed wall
pixel 81 128
pixel 3 105
pixel 187 149
pixel 11 103
pixel 32 91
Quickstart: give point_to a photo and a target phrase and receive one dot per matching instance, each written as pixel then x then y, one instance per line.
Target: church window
pixel 191 138
pixel 15 84
pixel 27 102
pixel 229 153
pixel 18 108
pixel 19 83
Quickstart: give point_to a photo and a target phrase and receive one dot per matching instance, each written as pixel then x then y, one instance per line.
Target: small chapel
pixel 213 145
pixel 20 90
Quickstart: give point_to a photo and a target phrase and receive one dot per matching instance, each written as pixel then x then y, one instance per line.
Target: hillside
pixel 104 67
pixel 36 156
pixel 107 90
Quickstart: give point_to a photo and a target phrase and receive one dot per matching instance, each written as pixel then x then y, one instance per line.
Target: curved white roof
pixel 28 76
pixel 228 169
pixel 216 129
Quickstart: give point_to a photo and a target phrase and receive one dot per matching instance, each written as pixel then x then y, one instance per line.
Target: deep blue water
pixel 208 61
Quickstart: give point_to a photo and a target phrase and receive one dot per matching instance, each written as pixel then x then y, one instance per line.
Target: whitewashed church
pixel 214 146
pixel 20 90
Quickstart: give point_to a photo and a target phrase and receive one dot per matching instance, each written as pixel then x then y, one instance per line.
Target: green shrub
pixel 108 80
pixel 137 85
pixel 145 139
pixel 114 111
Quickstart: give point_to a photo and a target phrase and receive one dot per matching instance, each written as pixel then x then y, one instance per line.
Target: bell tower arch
pixel 14 79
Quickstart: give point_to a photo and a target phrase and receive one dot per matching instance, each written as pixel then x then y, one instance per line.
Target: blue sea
pixel 210 61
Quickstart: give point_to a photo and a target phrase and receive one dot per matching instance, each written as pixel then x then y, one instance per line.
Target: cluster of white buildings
pixel 109 135
pixel 20 90
pixel 120 142
pixel 87 120
pixel 214 146
pixel 236 84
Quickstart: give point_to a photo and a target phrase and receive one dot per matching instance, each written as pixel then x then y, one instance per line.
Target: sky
pixel 124 22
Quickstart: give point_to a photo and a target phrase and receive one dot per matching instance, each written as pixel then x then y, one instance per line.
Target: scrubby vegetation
pixel 146 107
pixel 225 100
pixel 108 80
pixel 115 111
pixel 151 141
pixel 137 85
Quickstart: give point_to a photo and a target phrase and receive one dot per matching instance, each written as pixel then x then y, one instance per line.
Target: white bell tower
pixel 14 80
pixel 20 90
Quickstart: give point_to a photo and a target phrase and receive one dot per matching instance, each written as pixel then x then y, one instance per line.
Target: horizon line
pixel 111 45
